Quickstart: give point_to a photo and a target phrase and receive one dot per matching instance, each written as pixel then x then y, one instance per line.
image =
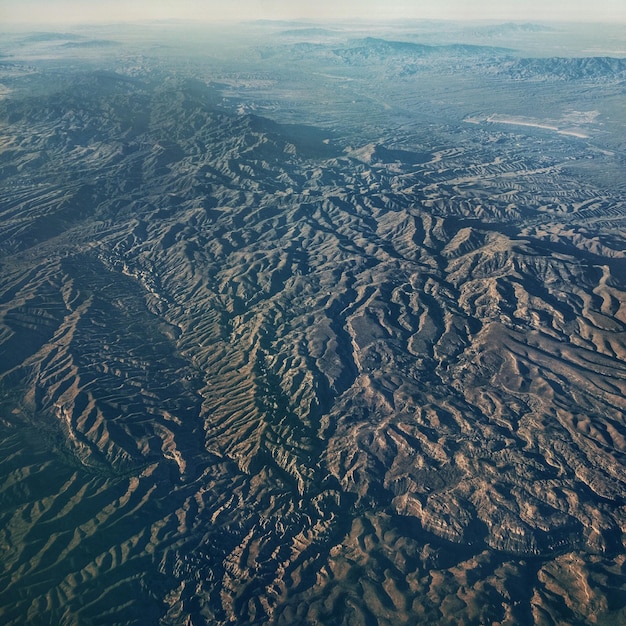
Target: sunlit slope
pixel 252 375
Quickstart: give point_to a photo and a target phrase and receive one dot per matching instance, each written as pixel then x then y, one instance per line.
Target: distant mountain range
pixel 583 68
pixel 405 57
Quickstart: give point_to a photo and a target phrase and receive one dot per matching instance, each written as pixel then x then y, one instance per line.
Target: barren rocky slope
pixel 250 374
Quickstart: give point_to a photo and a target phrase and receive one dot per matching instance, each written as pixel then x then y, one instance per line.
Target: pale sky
pixel 81 11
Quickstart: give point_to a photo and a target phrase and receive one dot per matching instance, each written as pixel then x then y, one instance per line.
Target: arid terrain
pixel 314 326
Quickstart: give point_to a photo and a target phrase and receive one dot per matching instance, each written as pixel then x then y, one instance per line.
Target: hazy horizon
pixel 57 12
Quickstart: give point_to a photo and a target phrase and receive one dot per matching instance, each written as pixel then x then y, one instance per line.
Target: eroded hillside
pixel 252 374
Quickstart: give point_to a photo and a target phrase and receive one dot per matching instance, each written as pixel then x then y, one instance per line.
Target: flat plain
pixel 313 324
